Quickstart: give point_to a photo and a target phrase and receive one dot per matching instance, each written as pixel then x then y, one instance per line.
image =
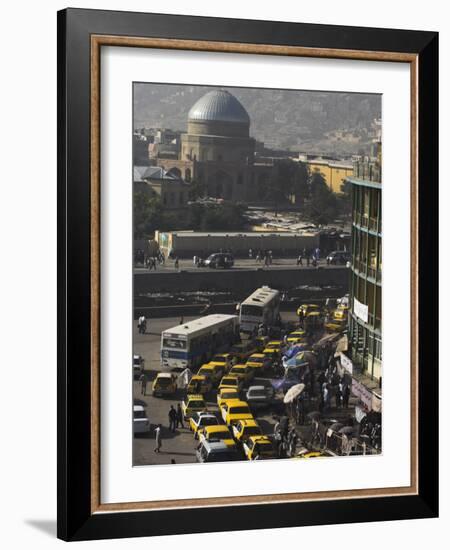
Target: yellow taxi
pixel 229 381
pixel 296 337
pixel 192 404
pixel 234 410
pixel 258 447
pixel 244 372
pixel 258 362
pixel 216 433
pixel 307 308
pixel 222 359
pixel 164 384
pixel 200 420
pixel 225 394
pixel 242 351
pixel 199 384
pixel 243 429
pixel 272 348
pixel 336 325
pixel 212 371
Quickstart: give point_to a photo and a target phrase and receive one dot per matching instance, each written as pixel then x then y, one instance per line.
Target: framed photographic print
pixel 247 274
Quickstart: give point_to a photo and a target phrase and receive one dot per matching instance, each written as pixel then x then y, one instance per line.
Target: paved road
pixel 240 264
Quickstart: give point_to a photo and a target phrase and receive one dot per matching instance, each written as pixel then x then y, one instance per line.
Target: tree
pixel 197 190
pixel 147 213
pixel 322 205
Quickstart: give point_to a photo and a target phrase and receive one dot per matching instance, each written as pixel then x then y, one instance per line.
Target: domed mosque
pixel 217 149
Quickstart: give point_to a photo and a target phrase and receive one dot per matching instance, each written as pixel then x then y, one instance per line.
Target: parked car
pixel 235 410
pixel 217 451
pixel 243 372
pixel 141 424
pixel 259 362
pixel 258 447
pixel 225 394
pixel 219 259
pixel 212 371
pixel 243 429
pixel 199 384
pixel 229 381
pixel 199 420
pixel 193 404
pixel 339 257
pixel 138 365
pixel 260 396
pixel 219 432
pixel 164 384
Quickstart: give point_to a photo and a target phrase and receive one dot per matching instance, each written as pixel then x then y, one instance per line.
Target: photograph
pixel 257 274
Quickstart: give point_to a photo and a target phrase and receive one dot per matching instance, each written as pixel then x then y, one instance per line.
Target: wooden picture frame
pixel 81 35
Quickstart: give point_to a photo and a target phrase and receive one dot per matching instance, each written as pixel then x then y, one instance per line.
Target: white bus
pixel 194 343
pixel 263 306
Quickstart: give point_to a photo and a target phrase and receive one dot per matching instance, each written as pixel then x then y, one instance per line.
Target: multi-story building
pixel 365 321
pixel 333 172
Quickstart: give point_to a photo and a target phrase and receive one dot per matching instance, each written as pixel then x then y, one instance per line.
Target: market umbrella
pixel 292 351
pixel 293 392
pixel 297 361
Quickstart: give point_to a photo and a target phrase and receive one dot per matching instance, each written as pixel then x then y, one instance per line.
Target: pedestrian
pixel 176 263
pixel 179 416
pixel 181 320
pixel 172 418
pixel 158 441
pixel 300 260
pixel 338 397
pixel 195 260
pixel 258 257
pixel 307 260
pixel 250 254
pixel 143 380
pixel 346 396
pixel 301 317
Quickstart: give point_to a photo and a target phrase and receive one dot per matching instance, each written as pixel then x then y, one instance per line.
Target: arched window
pixel 175 172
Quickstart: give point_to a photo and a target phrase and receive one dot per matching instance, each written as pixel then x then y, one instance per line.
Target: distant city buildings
pixel 218 154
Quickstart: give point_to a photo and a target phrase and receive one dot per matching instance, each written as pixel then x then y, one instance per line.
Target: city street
pixel 180 445
pixel 239 264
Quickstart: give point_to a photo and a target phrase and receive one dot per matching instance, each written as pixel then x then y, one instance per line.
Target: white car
pixel 141 423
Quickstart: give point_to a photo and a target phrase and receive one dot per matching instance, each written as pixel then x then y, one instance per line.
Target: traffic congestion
pixel 258 384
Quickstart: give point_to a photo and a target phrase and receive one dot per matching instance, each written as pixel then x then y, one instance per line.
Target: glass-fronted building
pixel 365 320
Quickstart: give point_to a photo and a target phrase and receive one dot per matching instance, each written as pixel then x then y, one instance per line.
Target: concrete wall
pixel 238 280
